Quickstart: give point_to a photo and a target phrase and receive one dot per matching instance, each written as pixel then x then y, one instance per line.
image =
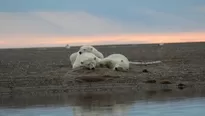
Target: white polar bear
pixel 86 60
pixel 84 49
pixel 89 48
pixel 116 62
pixel 67 46
pixel 119 62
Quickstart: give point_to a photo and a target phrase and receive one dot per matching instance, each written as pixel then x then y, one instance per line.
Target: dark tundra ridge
pixel 47 71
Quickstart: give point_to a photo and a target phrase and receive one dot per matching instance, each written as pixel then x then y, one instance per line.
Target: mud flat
pixel 47 72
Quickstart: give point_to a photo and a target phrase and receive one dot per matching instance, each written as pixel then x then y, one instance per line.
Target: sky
pixel 36 23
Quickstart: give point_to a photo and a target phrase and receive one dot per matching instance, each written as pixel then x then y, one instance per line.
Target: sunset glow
pixel 57 23
pixel 101 40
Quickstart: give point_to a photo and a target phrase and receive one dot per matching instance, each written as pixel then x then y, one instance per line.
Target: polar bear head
pixel 89 63
pixel 90 49
pixel 86 48
pixel 121 66
pixel 86 60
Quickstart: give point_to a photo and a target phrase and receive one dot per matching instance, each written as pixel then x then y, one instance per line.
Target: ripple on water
pixel 187 107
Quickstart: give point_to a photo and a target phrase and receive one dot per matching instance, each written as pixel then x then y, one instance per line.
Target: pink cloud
pixel 33 41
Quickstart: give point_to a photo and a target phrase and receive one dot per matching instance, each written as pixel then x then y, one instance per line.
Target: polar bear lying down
pixel 87 58
pixel 83 49
pixel 91 49
pixel 116 62
pixel 119 62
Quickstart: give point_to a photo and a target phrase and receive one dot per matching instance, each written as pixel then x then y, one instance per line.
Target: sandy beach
pixel 47 71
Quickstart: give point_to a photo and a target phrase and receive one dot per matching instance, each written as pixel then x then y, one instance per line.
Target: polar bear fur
pixel 116 62
pixel 73 57
pixel 83 49
pixel 119 62
pixel 86 60
pixel 89 48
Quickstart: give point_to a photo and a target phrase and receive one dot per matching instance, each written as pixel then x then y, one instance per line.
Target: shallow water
pixel 177 107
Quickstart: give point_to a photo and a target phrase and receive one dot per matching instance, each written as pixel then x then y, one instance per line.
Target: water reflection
pixel 107 104
pixel 103 104
pixel 115 110
pixel 183 107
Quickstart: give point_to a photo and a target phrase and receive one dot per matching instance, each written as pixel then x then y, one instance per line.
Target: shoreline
pixel 33 72
pixel 103 98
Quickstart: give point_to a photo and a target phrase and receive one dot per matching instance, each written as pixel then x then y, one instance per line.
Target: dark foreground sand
pixel 47 71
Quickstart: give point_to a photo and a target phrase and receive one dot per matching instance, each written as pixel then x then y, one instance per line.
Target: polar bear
pixel 89 48
pixel 84 49
pixel 67 46
pixel 119 62
pixel 86 60
pixel 116 62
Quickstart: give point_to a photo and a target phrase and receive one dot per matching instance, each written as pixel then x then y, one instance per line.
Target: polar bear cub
pixel 86 60
pixel 83 49
pixel 116 62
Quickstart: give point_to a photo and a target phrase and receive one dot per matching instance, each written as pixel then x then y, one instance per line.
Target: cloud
pixel 83 24
pixel 24 23
pixel 20 29
pixel 57 23
pixel 104 39
pixel 200 9
pixel 165 21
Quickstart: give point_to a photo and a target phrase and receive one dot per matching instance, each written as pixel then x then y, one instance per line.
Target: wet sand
pixel 47 72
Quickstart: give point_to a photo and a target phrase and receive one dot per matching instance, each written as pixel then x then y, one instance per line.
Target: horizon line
pixel 117 44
